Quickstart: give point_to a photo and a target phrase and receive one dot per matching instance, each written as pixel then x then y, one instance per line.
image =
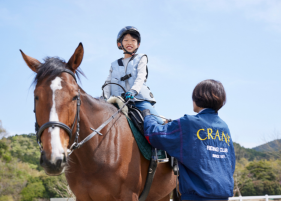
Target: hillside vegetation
pixel 273 146
pixel 22 178
pixel 3 132
pixel 250 154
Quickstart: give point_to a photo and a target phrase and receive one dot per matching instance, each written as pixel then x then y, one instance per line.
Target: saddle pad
pixel 144 147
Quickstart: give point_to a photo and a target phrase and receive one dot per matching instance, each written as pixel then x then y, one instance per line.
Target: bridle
pixel 39 129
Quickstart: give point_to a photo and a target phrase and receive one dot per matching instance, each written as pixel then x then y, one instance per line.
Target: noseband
pixel 39 129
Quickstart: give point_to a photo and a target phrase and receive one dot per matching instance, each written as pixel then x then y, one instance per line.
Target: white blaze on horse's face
pixel 57 150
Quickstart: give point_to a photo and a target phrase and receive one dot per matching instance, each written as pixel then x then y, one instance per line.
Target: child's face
pixel 129 43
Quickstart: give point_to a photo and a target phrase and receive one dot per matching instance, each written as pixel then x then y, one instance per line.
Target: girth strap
pixel 150 175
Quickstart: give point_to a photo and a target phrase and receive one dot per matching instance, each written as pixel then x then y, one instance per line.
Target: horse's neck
pixel 94 113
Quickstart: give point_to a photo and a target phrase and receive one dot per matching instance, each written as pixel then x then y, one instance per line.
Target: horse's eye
pixel 36 98
pixel 75 98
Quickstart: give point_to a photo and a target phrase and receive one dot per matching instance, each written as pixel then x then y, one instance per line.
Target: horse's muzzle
pixel 51 168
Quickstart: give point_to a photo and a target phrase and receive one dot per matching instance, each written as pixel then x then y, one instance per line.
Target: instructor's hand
pixel 145 113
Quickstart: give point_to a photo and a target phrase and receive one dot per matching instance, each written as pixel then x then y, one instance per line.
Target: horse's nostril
pixel 64 158
pixel 41 158
pixel 59 161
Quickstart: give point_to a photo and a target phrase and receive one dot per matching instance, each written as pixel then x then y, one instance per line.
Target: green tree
pixel 4 151
pixel 33 190
pixel 31 154
pixel 249 154
pixel 248 189
pixel 3 132
pixel 3 145
pixel 261 170
pixel 241 178
pixel 258 177
pixel 6 198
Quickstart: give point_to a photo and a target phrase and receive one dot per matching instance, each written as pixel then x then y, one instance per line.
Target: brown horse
pixel 109 166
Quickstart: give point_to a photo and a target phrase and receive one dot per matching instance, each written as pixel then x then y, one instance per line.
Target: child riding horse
pixel 131 73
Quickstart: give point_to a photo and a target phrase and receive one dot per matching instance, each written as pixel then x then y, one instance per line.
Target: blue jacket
pixel 203 146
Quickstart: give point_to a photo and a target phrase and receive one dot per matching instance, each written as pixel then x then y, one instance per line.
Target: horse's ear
pixel 32 63
pixel 76 59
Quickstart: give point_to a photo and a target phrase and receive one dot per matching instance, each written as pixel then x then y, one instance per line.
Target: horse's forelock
pixel 52 67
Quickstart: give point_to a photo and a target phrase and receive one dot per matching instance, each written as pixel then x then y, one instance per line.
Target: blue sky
pixel 237 42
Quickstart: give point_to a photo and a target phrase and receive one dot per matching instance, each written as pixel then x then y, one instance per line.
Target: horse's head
pixel 55 99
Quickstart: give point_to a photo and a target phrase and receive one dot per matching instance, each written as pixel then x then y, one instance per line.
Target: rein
pixel 168 120
pixel 76 145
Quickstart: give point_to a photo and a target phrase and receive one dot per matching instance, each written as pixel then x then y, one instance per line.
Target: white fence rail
pixel 266 197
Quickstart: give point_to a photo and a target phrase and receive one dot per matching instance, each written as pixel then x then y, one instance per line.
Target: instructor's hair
pixel 209 94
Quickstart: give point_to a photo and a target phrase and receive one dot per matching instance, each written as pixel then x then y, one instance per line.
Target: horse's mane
pixel 101 101
pixel 52 67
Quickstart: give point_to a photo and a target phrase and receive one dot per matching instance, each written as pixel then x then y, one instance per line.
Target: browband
pixel 71 73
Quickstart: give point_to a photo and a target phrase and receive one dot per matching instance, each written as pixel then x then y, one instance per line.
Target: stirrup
pixel 163 160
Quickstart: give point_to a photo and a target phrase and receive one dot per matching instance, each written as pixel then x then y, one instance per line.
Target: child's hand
pixel 130 95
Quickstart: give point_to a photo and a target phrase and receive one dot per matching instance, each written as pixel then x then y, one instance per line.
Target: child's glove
pixel 130 95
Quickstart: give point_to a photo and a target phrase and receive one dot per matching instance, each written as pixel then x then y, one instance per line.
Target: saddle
pixel 134 115
pixel 130 111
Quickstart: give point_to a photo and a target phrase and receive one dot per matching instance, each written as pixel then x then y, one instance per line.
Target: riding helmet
pixel 126 30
